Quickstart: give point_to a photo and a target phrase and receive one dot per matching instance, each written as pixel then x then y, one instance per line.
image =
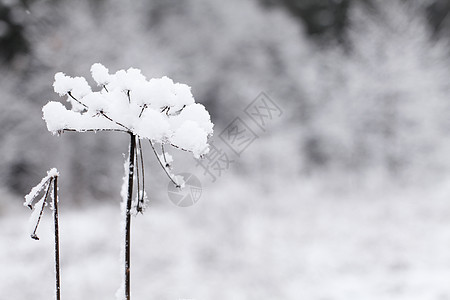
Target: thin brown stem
pixel 118 123
pixel 33 234
pixel 94 130
pixel 138 179
pixel 141 200
pixel 162 165
pixel 101 112
pixel 179 148
pixel 81 103
pixel 142 110
pixel 55 219
pixel 128 215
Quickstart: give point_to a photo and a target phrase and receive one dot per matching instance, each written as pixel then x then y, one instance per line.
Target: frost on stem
pixel 50 184
pixel 29 198
pixel 38 209
pixel 157 109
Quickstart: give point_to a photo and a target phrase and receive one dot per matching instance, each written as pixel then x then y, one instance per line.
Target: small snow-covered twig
pixel 140 177
pixel 29 198
pixel 36 215
pixel 49 183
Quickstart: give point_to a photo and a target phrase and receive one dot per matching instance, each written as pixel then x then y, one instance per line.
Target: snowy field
pixel 298 241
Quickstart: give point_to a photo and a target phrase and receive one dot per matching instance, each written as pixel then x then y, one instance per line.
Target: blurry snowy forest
pixel 363 84
pixel 364 89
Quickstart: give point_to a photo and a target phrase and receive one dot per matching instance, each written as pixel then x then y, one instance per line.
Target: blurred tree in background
pixel 363 83
pixel 12 34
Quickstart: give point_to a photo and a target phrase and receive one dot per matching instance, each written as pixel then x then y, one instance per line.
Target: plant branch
pixel 179 148
pixel 81 103
pixel 139 208
pixel 101 112
pixel 162 165
pixel 128 95
pixel 128 214
pixel 138 179
pixel 142 110
pixel 118 123
pixel 164 155
pixel 94 130
pixel 33 234
pixel 55 220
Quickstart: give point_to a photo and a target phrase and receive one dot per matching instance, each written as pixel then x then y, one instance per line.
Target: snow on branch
pixel 39 187
pixel 38 209
pixel 157 109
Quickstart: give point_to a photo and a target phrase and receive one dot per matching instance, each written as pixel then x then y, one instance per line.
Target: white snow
pixel 190 136
pixel 166 158
pixel 195 112
pixel 152 125
pixel 100 74
pixel 179 180
pixel 294 241
pixel 39 187
pixel 52 172
pixel 157 109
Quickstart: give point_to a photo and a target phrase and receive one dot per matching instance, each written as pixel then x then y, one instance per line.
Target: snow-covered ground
pixel 241 241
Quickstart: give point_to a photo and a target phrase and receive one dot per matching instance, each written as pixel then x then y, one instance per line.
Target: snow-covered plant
pixel 48 188
pixel 157 110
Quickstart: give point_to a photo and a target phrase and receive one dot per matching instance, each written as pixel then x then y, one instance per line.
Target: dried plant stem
pixel 55 219
pixel 162 165
pixel 48 186
pixel 128 215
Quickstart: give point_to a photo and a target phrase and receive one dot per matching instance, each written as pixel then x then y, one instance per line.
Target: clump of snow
pixel 52 172
pixel 100 74
pixel 157 109
pixel 153 125
pixel 190 136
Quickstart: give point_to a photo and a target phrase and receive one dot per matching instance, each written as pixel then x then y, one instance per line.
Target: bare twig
pixel 162 165
pixel 179 148
pixel 128 95
pixel 55 221
pixel 118 123
pixel 101 112
pixel 70 94
pixel 94 130
pixel 33 234
pixel 138 179
pixel 142 110
pixel 141 196
pixel 128 214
